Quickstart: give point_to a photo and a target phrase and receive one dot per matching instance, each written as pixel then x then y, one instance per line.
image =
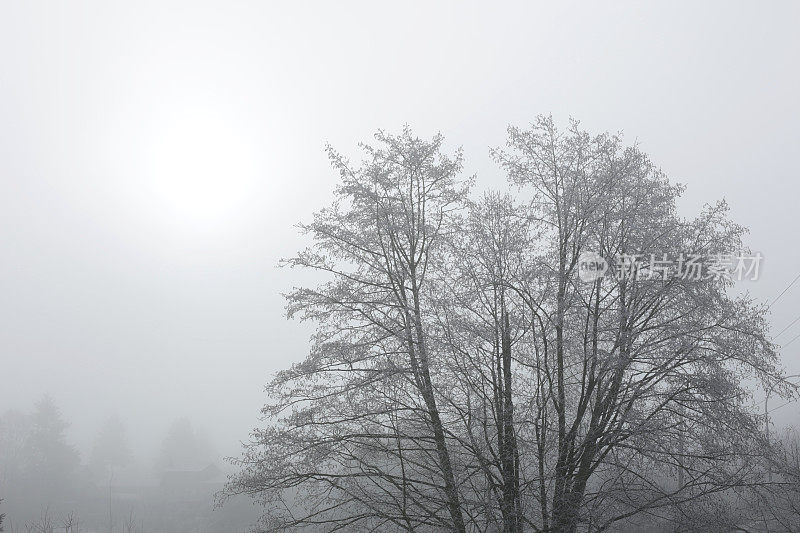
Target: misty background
pixel 154 161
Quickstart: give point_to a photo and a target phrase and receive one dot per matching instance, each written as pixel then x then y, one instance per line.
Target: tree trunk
pixel 426 386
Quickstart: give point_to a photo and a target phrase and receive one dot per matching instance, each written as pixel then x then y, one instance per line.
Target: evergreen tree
pixel 184 448
pixel 111 448
pixel 50 461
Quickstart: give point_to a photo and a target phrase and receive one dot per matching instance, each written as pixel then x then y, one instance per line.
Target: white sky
pixel 154 159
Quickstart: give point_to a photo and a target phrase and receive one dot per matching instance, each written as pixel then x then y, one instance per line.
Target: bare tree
pixel 44 524
pixel 47 523
pixel 130 525
pixel 367 428
pixel 479 330
pixel 637 372
pixel 71 523
pixel 463 377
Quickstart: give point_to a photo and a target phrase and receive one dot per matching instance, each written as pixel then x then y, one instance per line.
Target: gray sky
pixel 154 159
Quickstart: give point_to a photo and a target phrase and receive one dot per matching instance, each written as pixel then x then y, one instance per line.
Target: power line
pixel 789 286
pixel 787 327
pixel 781 405
pixel 791 341
pixel 784 291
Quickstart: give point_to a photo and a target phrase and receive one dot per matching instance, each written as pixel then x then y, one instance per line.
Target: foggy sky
pixel 128 289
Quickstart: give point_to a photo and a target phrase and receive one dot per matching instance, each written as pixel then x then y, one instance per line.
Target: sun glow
pixel 202 171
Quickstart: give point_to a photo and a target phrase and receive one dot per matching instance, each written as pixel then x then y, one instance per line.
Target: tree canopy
pixel 463 377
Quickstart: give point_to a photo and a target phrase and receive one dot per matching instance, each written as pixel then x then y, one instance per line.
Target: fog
pixel 155 158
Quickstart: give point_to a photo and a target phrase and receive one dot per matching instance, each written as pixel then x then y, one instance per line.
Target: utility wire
pixel 781 405
pixel 789 286
pixel 791 341
pixel 784 291
pixel 787 327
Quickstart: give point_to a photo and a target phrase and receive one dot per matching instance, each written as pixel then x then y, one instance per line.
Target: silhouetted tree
pixel 111 447
pixel 185 448
pixel 639 378
pixel 463 377
pixel 367 398
pixel 50 461
pixel 14 431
